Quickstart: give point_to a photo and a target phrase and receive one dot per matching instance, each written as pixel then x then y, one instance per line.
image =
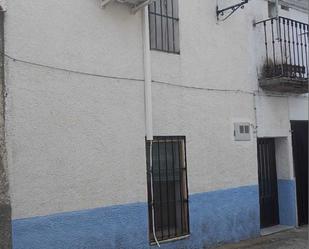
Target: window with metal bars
pixel 167 188
pixel 164 26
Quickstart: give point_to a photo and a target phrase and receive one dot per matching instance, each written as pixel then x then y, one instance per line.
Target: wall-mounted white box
pixel 242 132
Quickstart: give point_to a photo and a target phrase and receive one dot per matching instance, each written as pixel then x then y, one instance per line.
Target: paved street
pixel 291 239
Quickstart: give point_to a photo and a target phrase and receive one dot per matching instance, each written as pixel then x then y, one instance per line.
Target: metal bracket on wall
pixel 231 10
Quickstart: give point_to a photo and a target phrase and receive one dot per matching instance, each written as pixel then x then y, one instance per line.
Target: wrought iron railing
pixel 286 48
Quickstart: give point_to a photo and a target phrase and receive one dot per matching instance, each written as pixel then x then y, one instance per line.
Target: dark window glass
pixel 164 26
pixel 170 189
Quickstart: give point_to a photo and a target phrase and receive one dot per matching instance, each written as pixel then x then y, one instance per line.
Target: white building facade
pixel 78 163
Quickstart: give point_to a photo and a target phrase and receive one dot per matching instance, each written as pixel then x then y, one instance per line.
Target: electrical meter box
pixel 242 132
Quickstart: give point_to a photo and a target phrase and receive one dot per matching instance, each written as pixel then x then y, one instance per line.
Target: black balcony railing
pixel 286 48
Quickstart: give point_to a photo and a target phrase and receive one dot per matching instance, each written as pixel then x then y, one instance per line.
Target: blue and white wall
pixel 215 217
pixel 274 115
pixel 286 182
pixel 75 140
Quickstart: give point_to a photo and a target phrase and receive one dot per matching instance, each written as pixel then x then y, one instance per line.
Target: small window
pixel 167 180
pixel 164 26
pixel 284 7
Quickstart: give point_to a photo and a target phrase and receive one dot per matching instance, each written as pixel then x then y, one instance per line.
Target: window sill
pixel 171 240
pixel 165 52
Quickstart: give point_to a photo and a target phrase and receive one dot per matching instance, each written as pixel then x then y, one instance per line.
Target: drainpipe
pixel 279 34
pixel 147 76
pixel 5 203
pixel 277 18
pixel 277 8
pixel 148 109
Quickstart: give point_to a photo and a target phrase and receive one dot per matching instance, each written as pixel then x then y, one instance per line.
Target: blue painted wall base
pixel 215 217
pixel 287 202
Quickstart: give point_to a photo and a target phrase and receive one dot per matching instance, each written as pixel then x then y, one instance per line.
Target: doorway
pixel 300 155
pixel 268 189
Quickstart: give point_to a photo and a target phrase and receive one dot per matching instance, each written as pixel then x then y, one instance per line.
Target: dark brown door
pixel 269 209
pixel 300 155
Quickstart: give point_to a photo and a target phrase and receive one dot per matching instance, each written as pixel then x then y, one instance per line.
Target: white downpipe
pixel 147 75
pixel 279 31
pixel 148 108
pixel 277 17
pixel 152 204
pixel 277 8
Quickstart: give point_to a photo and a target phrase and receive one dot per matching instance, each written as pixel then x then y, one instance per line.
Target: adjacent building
pixel 130 124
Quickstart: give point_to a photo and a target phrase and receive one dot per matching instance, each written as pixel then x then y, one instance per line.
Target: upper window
pixel 164 26
pixel 167 188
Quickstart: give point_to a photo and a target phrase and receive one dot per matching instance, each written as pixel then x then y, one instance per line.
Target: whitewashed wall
pixel 284 158
pixel 272 116
pixel 77 141
pixel 298 108
pixel 74 141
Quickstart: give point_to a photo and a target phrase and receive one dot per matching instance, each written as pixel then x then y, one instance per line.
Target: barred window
pixel 167 181
pixel 164 26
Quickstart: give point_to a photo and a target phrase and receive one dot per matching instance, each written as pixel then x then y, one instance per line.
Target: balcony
pixel 285 55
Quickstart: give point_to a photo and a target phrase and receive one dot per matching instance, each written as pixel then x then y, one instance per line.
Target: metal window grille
pixel 164 26
pixel 170 188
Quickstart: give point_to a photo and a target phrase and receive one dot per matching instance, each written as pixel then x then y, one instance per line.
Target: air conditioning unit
pixel 135 5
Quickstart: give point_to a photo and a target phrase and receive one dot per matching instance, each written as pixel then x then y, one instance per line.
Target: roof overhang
pixel 135 5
